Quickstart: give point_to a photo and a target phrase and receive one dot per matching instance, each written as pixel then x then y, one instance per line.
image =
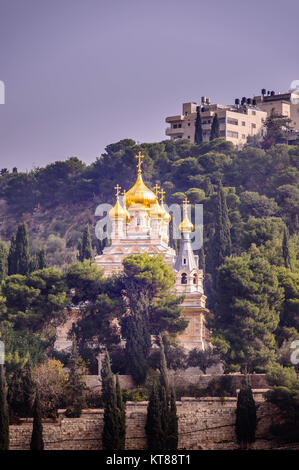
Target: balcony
pixel 171 132
pixel 174 118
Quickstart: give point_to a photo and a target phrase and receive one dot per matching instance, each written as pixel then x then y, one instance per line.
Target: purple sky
pixel 80 74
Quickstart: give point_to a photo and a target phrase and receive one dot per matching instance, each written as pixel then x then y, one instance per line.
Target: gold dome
pixel 186 225
pixel 140 193
pixel 117 212
pixel 165 216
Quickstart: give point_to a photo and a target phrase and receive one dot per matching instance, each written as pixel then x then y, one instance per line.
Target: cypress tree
pixel 122 416
pixel 111 432
pixel 4 415
pixel 3 261
pixel 198 128
pixel 84 246
pixel 246 420
pixel 173 436
pixel 22 250
pixel 286 249
pixel 153 427
pixel 215 131
pixel 75 385
pixel 37 442
pixel 163 365
pixel 12 259
pixel 42 259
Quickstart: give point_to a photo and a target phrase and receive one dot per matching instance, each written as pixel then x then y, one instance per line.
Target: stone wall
pixel 204 423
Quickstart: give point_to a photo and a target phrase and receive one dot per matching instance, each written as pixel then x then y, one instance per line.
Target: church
pixel 140 224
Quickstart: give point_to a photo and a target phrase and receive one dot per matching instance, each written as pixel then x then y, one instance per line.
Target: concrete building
pixel 286 104
pixel 140 224
pixel 236 122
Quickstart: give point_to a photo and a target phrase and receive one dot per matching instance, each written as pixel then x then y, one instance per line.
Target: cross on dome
pixel 156 189
pixel 140 158
pixel 117 188
pixel 162 192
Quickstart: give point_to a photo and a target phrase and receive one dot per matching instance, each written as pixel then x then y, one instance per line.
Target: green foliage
pixel 37 442
pixel 284 394
pixel 19 255
pixel 203 358
pixel 113 436
pixel 276 130
pixel 4 417
pixel 247 313
pixel 215 130
pixel 84 246
pixel 3 261
pixel 246 419
pixel 75 385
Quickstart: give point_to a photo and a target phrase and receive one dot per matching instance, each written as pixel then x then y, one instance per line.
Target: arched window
pixel 195 279
pixel 184 278
pixel 138 220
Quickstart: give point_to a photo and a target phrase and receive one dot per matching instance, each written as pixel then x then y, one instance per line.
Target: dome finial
pixel 117 188
pixel 140 158
pixel 186 226
pixel 156 189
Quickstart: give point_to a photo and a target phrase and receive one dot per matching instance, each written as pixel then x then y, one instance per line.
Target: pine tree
pixel 286 249
pixel 173 437
pixel 153 427
pixel 111 432
pixel 246 420
pixel 3 261
pixel 12 259
pixel 37 442
pixel 122 416
pixel 42 259
pixel 4 415
pixel 198 128
pixel 215 131
pixel 84 246
pixel 75 385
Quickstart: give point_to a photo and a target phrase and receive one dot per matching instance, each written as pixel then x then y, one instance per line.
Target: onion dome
pixel 125 208
pixel 186 225
pixel 140 193
pixel 117 212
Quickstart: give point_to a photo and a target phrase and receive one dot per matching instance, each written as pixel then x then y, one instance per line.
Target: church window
pixel 195 279
pixel 185 260
pixel 138 220
pixel 184 278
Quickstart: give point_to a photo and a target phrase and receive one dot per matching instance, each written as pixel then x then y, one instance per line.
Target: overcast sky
pixel 81 74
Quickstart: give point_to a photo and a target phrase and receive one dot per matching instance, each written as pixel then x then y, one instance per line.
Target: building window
pixel 233 134
pixel 188 124
pixel 232 121
pixel 185 261
pixel 138 220
pixel 253 126
pixel 188 136
pixel 175 126
pixel 184 278
pixel 180 125
pixel 253 113
pixel 243 136
pixel 195 279
pixel 243 123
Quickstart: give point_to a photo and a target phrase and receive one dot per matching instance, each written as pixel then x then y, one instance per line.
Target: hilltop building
pixel 141 225
pixel 236 122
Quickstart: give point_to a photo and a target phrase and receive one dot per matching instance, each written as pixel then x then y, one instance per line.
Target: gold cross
pixel 156 188
pixel 185 201
pixel 124 193
pixel 162 192
pixel 118 188
pixel 140 157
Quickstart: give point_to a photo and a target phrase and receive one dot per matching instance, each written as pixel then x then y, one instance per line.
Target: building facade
pixel 140 224
pixel 236 122
pixel 285 104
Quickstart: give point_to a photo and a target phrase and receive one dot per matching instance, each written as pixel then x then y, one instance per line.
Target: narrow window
pixel 184 278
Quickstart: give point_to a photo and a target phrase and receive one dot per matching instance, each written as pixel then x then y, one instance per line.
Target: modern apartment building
pixel 236 122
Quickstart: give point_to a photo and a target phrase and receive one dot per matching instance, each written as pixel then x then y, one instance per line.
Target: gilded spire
pixel 166 216
pixel 140 161
pixel 186 225
pixel 124 204
pixel 117 212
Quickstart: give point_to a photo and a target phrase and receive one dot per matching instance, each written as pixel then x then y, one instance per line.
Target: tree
pixel 3 261
pixel 85 247
pixel 112 437
pixel 42 259
pixel 246 420
pixel 153 427
pixel 198 128
pixel 37 442
pixel 203 358
pixel 122 415
pixel 12 259
pixel 246 313
pixel 215 131
pixel 172 439
pixel 22 253
pixel 286 249
pixel 277 127
pixel 4 416
pixel 75 385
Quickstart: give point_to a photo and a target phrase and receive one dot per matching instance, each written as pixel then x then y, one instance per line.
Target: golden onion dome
pixel 140 193
pixel 124 206
pixel 165 216
pixel 186 225
pixel 117 212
